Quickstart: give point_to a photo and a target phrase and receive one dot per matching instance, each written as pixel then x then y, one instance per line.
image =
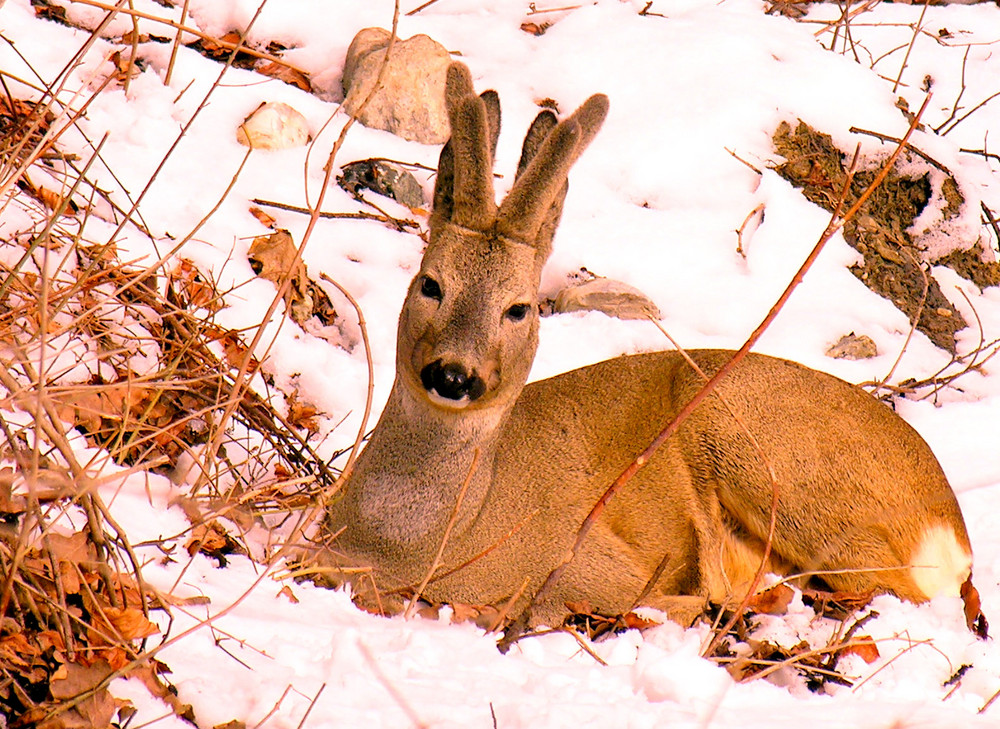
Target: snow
pixel 654 202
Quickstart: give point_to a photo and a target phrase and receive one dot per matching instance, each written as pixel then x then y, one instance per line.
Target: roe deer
pixel 862 499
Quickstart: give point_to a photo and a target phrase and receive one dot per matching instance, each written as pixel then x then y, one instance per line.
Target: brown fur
pixel 858 487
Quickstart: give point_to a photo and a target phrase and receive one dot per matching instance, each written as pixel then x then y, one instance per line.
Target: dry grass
pixel 113 369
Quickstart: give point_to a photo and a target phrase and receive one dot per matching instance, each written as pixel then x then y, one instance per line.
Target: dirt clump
pixel 893 263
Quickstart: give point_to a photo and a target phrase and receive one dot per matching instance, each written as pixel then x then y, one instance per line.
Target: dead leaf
pixel 287 592
pixel 190 288
pixel 974 616
pixel 207 538
pixel 95 710
pixel 863 647
pixel 463 613
pixel 150 677
pixel 219 48
pixel 534 28
pixel 284 73
pixel 130 36
pixel 235 351
pixel 130 623
pixel 302 415
pixel 73 548
pixel 773 601
pixel 10 505
pixel 263 218
pixel 274 257
pixel 213 540
pixel 637 622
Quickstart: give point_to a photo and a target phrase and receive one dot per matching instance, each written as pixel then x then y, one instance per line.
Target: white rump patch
pixel 940 565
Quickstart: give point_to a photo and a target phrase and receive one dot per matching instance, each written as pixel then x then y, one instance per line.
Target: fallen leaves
pixel 213 540
pixel 275 258
pixel 773 601
pixel 595 625
pixel 265 62
pixel 282 72
pixel 69 624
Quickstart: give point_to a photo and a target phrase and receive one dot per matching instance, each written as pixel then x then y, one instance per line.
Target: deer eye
pixel 517 312
pixel 430 288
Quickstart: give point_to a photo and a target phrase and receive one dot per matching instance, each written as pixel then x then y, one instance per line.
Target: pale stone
pixel 852 346
pixel 410 99
pixel 273 126
pixel 608 296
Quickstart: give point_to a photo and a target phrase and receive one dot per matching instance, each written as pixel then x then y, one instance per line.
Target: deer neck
pixel 407 480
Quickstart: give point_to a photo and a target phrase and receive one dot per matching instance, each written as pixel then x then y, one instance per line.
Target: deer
pixel 473 472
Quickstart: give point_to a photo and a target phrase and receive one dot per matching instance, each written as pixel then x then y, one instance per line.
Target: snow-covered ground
pixel 654 202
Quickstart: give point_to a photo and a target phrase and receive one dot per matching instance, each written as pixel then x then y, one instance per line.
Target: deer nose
pixel 452 381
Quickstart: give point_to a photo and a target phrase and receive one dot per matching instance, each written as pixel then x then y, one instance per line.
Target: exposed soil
pixel 893 265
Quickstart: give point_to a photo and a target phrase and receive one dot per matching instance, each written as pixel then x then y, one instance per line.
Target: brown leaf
pixel 284 73
pixel 287 592
pixel 263 218
pixel 149 676
pixel 303 415
pixel 864 647
pixel 129 36
pixel 10 505
pixel 463 613
pixel 116 657
pixel 94 711
pixel 637 622
pixel 580 607
pixel 213 540
pixel 191 288
pixel 273 256
pixel 16 651
pixel 215 49
pixel 69 577
pixel 974 616
pixel 534 28
pixel 209 537
pixel 773 601
pixel 73 548
pixel 130 623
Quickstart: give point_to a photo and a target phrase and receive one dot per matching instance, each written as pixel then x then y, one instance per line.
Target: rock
pixel 410 100
pixel 383 178
pixel 273 126
pixel 852 346
pixel 608 296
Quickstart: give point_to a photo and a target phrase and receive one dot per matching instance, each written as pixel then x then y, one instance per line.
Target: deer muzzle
pixel 452 382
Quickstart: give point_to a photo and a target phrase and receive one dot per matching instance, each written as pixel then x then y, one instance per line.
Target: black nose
pixel 452 381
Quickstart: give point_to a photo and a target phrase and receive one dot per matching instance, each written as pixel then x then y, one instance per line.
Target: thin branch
pixel 916 31
pixel 181 28
pixel 175 46
pixel 836 223
pixel 397 223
